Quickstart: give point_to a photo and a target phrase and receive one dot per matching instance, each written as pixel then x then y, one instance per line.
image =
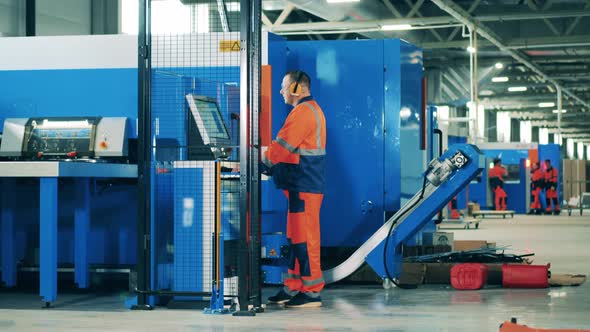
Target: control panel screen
pixel 211 117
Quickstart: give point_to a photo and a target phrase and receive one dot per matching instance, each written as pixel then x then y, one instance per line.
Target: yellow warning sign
pixel 229 46
pixel 272 252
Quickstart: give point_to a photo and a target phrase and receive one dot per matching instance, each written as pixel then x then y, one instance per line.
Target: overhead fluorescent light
pixel 396 27
pixel 500 79
pixel 547 104
pixel 471 49
pixel 499 65
pixel 557 111
pixel 486 92
pixel 517 88
pixel 341 1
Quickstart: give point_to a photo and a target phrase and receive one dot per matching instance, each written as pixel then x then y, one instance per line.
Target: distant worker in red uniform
pixel 296 160
pixel 551 180
pixel 496 176
pixel 537 184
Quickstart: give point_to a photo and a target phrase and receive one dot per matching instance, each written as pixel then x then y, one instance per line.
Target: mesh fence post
pixel 144 156
pixel 249 291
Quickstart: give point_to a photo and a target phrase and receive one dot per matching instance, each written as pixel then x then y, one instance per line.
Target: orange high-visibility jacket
pixel 538 178
pixel 551 176
pixel 497 172
pixel 297 158
pixel 495 175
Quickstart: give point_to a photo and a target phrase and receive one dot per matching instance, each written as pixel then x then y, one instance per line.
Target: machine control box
pixel 64 138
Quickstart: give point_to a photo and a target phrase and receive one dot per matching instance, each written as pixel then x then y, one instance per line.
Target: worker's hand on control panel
pixel 264 169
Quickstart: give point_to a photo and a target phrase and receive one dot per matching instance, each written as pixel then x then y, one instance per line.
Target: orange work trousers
pixel 551 196
pixel 500 197
pixel 535 199
pixel 303 233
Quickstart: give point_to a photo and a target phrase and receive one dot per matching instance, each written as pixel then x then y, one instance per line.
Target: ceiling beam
pixel 465 18
pixel 434 20
pixel 576 21
pixel 548 23
pixel 516 43
pixel 417 12
pixel 470 10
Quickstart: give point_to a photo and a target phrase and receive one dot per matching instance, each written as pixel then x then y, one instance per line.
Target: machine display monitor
pixel 208 118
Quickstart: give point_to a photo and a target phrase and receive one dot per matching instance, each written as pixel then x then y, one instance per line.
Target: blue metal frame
pixel 49 240
pixel 8 249
pixel 81 232
pixel 426 210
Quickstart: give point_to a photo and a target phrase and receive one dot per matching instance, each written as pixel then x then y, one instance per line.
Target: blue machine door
pixel 353 203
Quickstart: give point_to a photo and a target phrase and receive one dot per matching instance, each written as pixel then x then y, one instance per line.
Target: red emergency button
pixel 104 145
pixel 72 154
pixel 39 154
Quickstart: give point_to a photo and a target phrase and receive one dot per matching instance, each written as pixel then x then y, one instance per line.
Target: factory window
pixel 168 16
pixel 570 148
pixel 580 151
pixel 503 126
pixel 526 132
pixel 543 136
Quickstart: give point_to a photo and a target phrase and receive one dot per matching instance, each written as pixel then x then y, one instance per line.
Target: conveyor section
pixel 446 177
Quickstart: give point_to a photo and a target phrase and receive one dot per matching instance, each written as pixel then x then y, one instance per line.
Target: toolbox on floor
pixel 525 276
pixel 469 276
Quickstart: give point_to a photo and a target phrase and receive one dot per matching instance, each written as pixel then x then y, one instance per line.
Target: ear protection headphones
pixel 295 87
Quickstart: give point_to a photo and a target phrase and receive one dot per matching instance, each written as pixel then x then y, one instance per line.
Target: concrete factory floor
pixel 561 240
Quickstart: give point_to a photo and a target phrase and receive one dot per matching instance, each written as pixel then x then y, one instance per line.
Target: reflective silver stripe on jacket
pixel 266 161
pixel 312 152
pixel 286 145
pixel 312 282
pixel 290 276
pixel 319 124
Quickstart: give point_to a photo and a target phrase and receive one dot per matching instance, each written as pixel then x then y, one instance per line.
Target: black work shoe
pixel 280 297
pixel 303 300
pixel 556 213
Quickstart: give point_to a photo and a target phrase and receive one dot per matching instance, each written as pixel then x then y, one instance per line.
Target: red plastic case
pixel 469 276
pixel 525 276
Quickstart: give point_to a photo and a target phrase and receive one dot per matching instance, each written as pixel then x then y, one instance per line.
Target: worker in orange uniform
pixel 537 184
pixel 551 177
pixel 296 160
pixel 496 178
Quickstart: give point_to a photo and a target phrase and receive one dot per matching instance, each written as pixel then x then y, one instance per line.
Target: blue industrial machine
pixel 51 149
pixel 379 141
pixel 373 107
pixel 378 138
